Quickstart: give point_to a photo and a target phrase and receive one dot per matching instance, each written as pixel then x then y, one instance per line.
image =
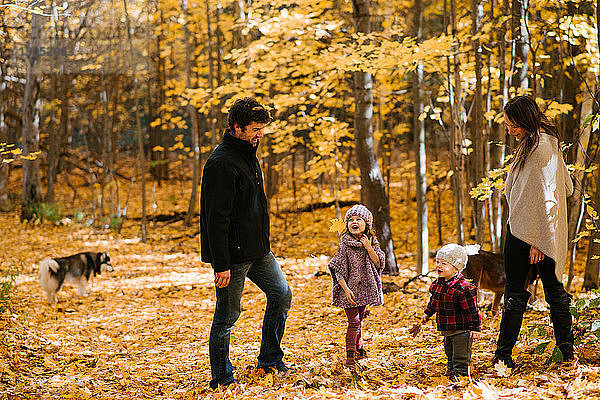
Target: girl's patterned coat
pixel 362 276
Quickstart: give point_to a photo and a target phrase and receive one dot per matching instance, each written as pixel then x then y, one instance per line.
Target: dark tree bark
pixel 159 136
pixel 372 183
pixel 3 124
pixel 140 136
pixel 456 137
pixel 193 120
pixel 32 192
pixel 591 278
pixel 240 14
pixel 592 266
pixel 211 74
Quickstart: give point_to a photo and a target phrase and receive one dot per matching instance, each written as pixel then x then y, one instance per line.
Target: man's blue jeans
pixel 268 276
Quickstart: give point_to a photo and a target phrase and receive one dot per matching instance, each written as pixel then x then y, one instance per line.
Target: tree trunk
pixel 581 146
pixel 478 132
pixel 240 14
pixel 140 136
pixel 498 149
pixel 456 159
pixel 194 120
pixel 420 153
pixel 32 192
pixel 592 265
pixel 211 74
pixel 3 126
pixel 520 45
pixel 53 135
pixel 159 136
pixel 372 184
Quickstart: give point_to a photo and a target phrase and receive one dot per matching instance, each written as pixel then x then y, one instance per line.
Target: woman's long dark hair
pixel 524 112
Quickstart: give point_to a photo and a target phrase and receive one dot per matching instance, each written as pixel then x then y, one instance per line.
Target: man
pixel 234 224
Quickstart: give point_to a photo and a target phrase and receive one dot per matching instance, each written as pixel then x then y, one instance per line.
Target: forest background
pixel 108 110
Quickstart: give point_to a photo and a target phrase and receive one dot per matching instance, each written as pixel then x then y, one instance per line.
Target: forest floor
pixel 143 330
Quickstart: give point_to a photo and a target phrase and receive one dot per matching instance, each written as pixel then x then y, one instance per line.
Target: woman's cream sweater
pixel 537 201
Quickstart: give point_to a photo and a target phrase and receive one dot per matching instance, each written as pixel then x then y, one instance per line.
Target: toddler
pixel 454 299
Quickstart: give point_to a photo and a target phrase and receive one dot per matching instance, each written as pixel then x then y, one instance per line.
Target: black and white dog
pixel 78 269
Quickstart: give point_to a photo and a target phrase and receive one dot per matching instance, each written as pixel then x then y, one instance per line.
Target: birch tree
pixel 373 185
pixel 32 192
pixel 420 153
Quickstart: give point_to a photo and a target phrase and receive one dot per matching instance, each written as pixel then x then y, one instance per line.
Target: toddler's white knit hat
pixel 454 254
pixel 362 212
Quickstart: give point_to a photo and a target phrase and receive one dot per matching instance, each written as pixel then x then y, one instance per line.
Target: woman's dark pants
pixel 516 264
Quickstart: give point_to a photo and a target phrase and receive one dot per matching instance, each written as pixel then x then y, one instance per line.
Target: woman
pixel 537 187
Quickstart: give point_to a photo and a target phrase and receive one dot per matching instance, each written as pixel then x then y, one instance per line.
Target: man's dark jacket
pixel 234 218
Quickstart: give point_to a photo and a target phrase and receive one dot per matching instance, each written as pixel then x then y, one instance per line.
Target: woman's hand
pixel 350 297
pixel 535 255
pixel 475 335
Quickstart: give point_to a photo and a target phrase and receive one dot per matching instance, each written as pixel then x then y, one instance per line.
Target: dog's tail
pixel 472 249
pixel 47 266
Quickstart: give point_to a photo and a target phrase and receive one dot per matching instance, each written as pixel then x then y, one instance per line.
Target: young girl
pixel 356 272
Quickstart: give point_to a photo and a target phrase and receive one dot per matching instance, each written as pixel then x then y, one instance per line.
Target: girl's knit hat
pixel 362 212
pixel 454 254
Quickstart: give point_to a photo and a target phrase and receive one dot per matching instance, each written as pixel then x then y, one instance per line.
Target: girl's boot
pixel 360 354
pixel 350 358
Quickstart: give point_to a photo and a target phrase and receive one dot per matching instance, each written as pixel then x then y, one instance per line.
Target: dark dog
pixel 78 268
pixel 486 271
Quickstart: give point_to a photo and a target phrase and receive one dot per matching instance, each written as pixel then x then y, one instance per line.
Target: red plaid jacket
pixel 455 302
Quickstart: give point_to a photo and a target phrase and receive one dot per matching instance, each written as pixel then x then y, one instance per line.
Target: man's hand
pixel 535 255
pixel 222 278
pixel 424 318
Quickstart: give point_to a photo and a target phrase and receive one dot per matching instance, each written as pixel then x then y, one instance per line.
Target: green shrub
pixel 586 326
pixel 46 212
pixel 7 284
pixel 78 215
pixel 115 222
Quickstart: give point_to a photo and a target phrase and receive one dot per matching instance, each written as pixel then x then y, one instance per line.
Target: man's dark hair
pixel 245 111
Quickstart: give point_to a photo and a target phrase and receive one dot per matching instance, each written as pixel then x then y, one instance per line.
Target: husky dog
pixel 78 269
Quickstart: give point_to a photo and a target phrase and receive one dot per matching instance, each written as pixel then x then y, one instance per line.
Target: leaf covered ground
pixel 143 330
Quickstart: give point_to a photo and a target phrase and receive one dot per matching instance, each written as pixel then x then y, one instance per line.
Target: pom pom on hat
pixel 362 212
pixel 454 254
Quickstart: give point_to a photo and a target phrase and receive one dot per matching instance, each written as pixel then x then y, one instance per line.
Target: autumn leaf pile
pixel 143 330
